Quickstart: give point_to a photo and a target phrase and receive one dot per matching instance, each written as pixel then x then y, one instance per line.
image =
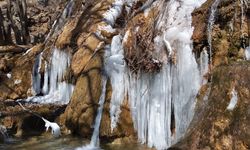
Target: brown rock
pixel 81 111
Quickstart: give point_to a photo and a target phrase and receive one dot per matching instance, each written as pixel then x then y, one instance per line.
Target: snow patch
pixel 233 101
pixel 55 128
pixel 17 81
pixel 8 75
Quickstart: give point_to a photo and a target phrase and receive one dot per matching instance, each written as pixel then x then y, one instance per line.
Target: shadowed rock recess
pixel 163 74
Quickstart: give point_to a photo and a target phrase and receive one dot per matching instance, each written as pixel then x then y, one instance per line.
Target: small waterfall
pixel 94 144
pixel 211 20
pixel 54 89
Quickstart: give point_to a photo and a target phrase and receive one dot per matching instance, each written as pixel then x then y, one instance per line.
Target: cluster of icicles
pixel 53 87
pixel 154 97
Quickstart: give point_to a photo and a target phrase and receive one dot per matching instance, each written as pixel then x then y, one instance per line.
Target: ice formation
pixel 204 61
pixel 211 21
pixel 55 89
pixel 233 101
pixel 55 129
pixel 247 53
pixel 115 67
pixel 9 75
pixel 154 97
pixel 113 13
pixel 94 143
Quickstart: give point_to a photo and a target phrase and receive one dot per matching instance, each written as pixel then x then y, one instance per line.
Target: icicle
pixel 36 77
pixel 211 21
pixel 94 144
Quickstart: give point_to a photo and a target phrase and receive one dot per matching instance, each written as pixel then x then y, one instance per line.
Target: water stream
pixel 95 143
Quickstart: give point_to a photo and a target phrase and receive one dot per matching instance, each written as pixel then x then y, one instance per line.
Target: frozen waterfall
pixel 155 97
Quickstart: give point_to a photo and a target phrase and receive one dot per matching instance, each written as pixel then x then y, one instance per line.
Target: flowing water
pixel 95 143
pixel 63 143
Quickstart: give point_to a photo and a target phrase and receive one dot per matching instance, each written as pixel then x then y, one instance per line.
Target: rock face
pixel 16 73
pixel 215 126
pixel 230 33
pixel 87 68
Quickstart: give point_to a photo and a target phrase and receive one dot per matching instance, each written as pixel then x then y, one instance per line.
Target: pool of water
pixel 62 143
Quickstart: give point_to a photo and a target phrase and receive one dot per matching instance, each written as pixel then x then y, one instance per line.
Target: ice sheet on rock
pixel 114 12
pixel 247 53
